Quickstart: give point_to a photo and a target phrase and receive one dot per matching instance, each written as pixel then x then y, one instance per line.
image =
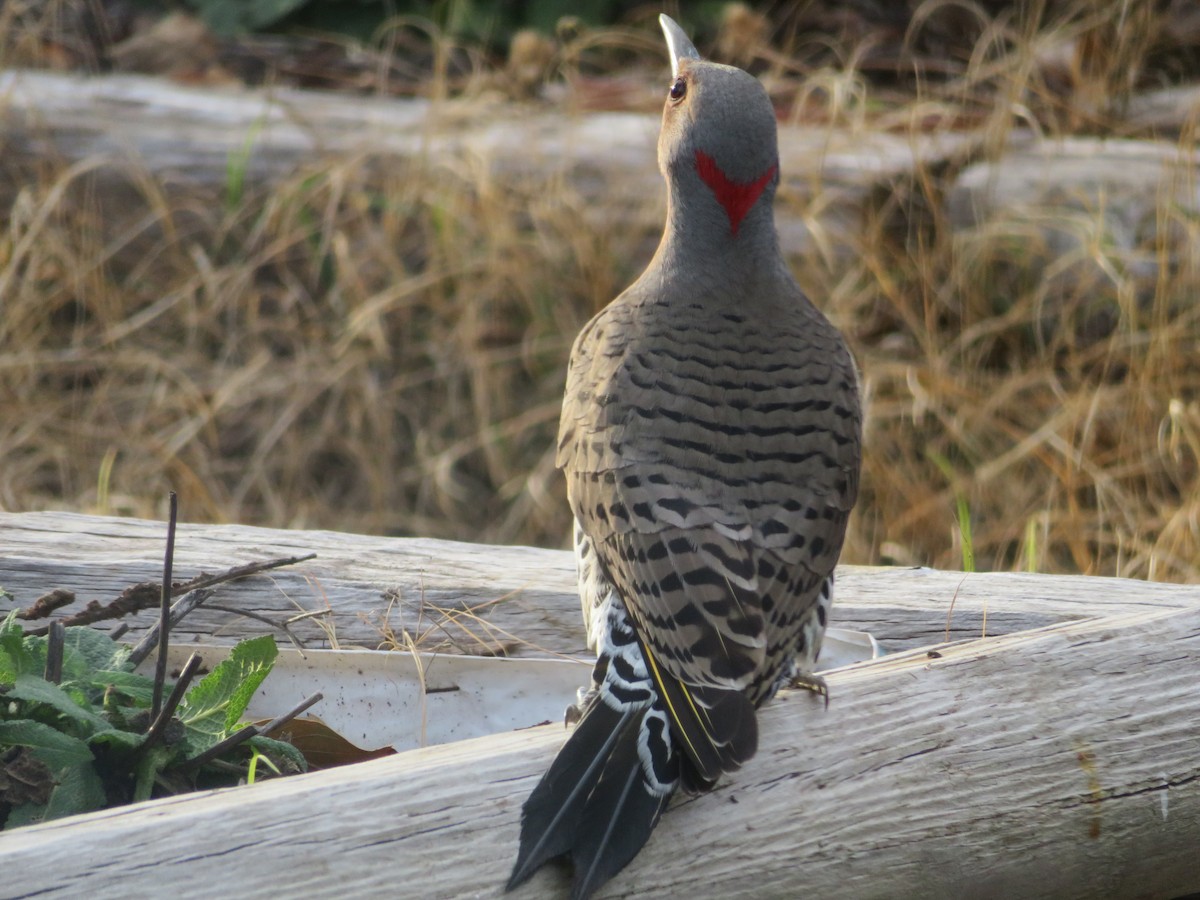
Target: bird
pixel 710 438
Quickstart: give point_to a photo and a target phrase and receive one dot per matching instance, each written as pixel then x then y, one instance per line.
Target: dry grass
pixel 388 357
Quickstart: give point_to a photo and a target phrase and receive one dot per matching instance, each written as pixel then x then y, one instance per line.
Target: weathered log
pixel 1169 110
pixel 1056 763
pixel 189 134
pixel 1122 184
pixel 474 599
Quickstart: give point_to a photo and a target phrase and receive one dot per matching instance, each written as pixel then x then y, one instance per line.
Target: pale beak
pixel 677 43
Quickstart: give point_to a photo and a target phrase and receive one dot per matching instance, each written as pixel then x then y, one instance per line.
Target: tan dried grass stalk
pixel 386 354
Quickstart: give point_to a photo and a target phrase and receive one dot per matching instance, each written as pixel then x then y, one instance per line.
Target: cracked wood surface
pixel 1056 763
pixel 474 598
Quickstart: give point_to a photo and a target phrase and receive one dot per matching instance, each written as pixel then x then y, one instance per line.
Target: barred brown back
pixel 712 456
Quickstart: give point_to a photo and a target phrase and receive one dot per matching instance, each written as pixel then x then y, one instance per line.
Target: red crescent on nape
pixel 736 198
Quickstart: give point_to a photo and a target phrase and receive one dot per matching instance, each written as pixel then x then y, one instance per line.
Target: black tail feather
pixel 620 817
pixel 717 728
pixel 595 804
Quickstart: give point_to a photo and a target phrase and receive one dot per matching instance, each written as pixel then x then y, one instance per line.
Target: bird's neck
pixel 705 244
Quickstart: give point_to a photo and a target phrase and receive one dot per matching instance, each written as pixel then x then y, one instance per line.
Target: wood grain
pixel 1056 763
pixel 468 596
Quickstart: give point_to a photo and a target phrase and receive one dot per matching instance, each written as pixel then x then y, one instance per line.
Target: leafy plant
pixel 87 742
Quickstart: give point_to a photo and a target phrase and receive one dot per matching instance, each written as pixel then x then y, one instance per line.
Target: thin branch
pixel 159 725
pixel 244 734
pixel 164 620
pixel 182 607
pixel 146 594
pixel 54 652
pixel 950 611
pixel 302 706
pixel 249 614
pixel 311 614
pixel 219 765
pixel 134 598
pixel 232 574
pixel 238 737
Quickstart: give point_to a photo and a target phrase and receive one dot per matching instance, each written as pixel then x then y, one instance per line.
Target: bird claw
pixel 576 710
pixel 572 715
pixel 814 683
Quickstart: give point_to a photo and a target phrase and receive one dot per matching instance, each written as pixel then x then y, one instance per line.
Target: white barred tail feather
pixel 611 781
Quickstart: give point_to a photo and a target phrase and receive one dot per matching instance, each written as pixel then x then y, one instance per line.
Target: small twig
pixel 232 574
pixel 133 599
pixel 147 594
pixel 311 614
pixel 220 765
pixel 159 725
pixel 182 607
pixel 164 617
pixel 54 652
pixel 119 632
pixel 244 734
pixel 44 605
pixel 217 749
pixel 282 626
pixel 302 706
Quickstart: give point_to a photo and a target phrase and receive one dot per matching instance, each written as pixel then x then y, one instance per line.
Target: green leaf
pixel 51 746
pixel 33 689
pixel 25 814
pixel 211 709
pixel 8 667
pixel 9 629
pixel 129 685
pixel 87 650
pixel 281 750
pixel 79 790
pixel 116 737
pixel 257 664
pixel 15 649
pixel 34 659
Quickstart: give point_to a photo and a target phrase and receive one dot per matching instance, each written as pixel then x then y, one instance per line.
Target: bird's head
pixel 718 148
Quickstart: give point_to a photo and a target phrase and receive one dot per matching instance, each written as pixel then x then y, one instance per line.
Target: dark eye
pixel 678 90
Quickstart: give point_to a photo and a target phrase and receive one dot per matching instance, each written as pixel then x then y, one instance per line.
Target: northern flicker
pixel 710 438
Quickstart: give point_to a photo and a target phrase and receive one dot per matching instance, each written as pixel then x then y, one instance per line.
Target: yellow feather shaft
pixel 700 715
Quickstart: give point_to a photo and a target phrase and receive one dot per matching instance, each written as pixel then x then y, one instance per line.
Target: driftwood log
pixel 1059 763
pixel 1054 761
pixel 474 599
pixel 127 125
pixel 192 134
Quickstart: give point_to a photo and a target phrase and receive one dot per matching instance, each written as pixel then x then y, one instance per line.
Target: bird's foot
pixel 576 710
pixel 814 683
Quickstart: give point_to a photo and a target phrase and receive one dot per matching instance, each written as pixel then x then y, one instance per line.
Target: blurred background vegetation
pixel 385 352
